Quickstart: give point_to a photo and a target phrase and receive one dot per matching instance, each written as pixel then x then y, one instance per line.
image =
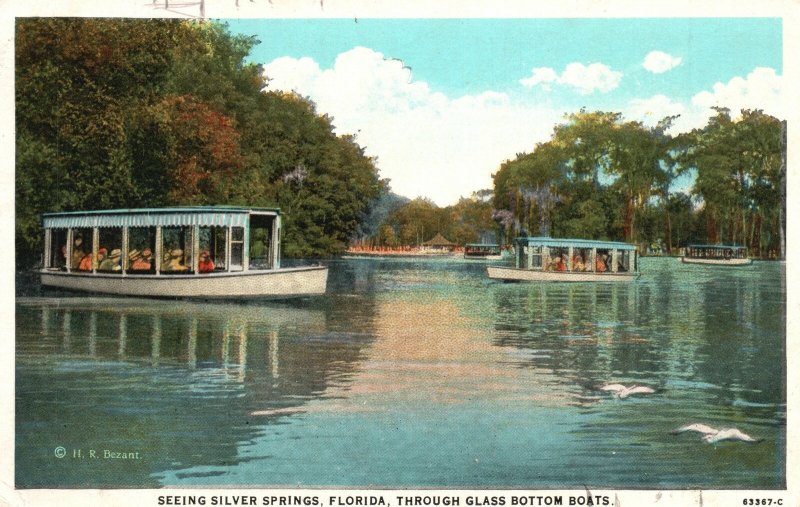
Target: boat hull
pixel 717 262
pixel 527 275
pixel 279 283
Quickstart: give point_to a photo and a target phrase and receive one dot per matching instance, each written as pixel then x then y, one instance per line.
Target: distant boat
pixel 483 251
pixel 716 255
pixel 546 259
pixel 205 252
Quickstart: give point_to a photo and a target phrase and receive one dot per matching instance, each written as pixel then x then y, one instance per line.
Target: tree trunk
pixel 627 224
pixel 667 230
pixel 711 228
pixel 756 239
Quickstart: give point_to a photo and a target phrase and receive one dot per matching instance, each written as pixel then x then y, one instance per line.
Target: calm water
pixel 410 373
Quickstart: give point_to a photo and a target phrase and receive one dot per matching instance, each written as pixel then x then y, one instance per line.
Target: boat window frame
pixel 151 243
pixel 186 237
pixel 242 266
pixel 101 233
pixel 586 255
pixel 55 251
pixel 268 223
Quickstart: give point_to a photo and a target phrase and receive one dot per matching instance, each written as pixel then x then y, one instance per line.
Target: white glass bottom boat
pixel 201 252
pixel 483 251
pixel 545 259
pixel 716 255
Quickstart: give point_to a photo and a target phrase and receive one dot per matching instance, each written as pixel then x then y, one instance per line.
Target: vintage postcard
pixel 361 254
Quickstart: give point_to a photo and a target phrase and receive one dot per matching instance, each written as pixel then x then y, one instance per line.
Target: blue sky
pixel 471 55
pixel 442 102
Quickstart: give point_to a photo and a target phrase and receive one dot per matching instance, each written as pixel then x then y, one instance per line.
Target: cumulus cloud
pixel 651 110
pixel 540 76
pixel 427 143
pixel 659 62
pixel 585 79
pixel 760 89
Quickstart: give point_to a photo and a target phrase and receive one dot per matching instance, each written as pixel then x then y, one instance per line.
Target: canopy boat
pixel 486 251
pixel 206 252
pixel 718 255
pixel 543 259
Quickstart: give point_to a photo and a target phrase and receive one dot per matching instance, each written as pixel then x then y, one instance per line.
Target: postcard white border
pixel 788 10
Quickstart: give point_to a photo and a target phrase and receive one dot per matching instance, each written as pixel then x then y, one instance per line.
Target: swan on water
pixel 621 391
pixel 714 435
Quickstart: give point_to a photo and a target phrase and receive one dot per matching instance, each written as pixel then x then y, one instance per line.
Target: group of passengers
pixel 140 260
pixel 83 261
pixel 579 263
pixel 173 261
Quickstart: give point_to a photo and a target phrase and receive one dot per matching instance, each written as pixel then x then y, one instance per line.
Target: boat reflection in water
pixel 575 338
pixel 411 374
pixel 188 369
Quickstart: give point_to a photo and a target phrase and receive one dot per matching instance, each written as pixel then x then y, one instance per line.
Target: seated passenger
pixel 577 263
pixel 600 265
pixel 132 256
pixel 206 265
pixel 77 253
pixel 174 261
pixel 110 263
pixel 143 261
pixel 560 265
pixel 85 264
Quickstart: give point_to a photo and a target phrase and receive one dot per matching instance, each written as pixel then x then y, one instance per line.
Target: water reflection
pixel 711 343
pixel 161 379
pixel 411 373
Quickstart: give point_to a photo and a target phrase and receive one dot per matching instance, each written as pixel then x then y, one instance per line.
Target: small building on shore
pixel 439 242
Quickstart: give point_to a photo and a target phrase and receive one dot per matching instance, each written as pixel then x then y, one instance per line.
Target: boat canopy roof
pixel 148 217
pixel 576 243
pixel 721 247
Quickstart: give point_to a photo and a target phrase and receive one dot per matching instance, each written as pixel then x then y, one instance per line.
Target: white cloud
pixel 761 89
pixel 584 79
pixel 429 144
pixel 540 75
pixel 659 62
pixel 443 147
pixel 650 111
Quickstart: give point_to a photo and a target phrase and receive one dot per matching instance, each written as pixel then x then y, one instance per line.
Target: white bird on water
pixel 621 391
pixel 714 435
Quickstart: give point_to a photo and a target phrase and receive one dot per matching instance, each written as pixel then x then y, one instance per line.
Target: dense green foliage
pixel 412 223
pixel 601 177
pixel 145 113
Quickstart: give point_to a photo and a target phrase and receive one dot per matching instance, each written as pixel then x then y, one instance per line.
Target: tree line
pixel 117 113
pixel 602 177
pixel 148 113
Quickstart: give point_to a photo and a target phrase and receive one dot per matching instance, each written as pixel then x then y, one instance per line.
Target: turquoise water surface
pixel 409 373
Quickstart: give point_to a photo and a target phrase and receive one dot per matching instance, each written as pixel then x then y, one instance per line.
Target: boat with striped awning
pixel 546 259
pixel 716 255
pixel 203 251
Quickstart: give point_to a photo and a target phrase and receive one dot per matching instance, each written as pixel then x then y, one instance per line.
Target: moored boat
pixel 542 259
pixel 482 251
pixel 716 255
pixel 205 252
